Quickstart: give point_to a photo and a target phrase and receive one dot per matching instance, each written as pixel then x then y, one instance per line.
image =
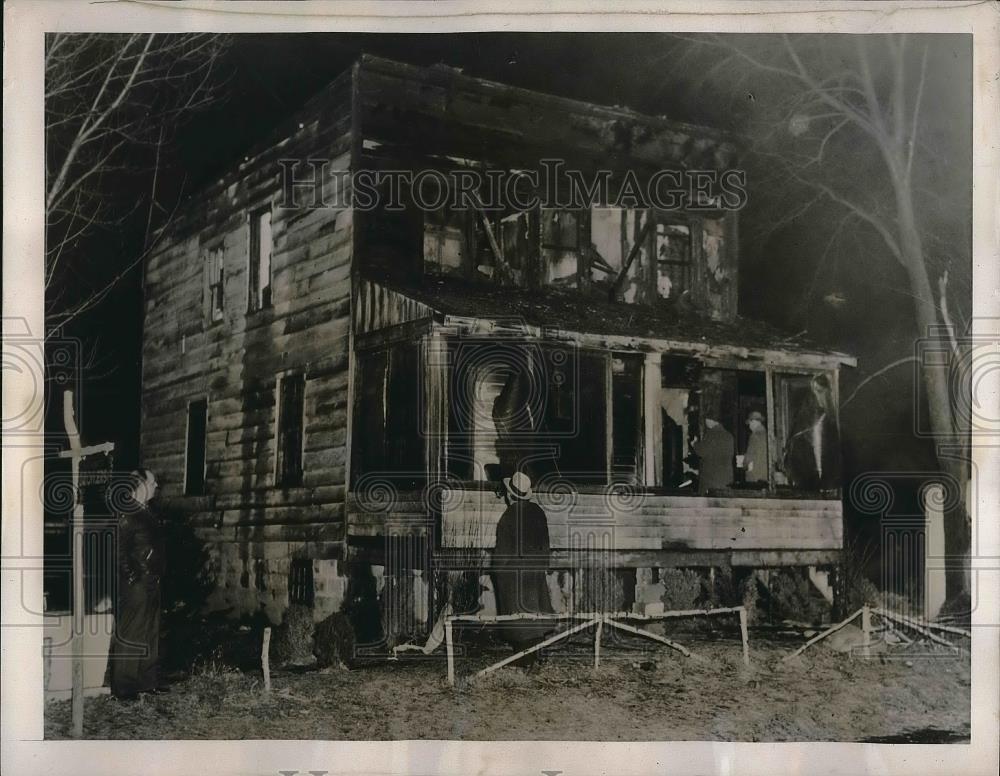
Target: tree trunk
pixel 940 401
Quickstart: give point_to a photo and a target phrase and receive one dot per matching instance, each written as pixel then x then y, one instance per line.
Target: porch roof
pixel 592 320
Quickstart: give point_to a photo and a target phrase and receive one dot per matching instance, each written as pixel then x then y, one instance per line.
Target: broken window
pixel 672 249
pixel 626 417
pixel 807 432
pixel 560 246
pixel 291 390
pixel 728 400
pixel 575 416
pixel 194 453
pixel 445 243
pixel 529 407
pixel 386 431
pixel 215 270
pixel 260 260
pixel 718 283
pixel 679 417
pixel 495 408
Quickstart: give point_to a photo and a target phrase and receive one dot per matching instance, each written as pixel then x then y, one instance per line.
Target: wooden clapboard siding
pixel 773 530
pixel 377 307
pixel 236 362
pixel 649 522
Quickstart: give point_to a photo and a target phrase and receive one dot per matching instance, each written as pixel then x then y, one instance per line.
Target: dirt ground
pixel 640 692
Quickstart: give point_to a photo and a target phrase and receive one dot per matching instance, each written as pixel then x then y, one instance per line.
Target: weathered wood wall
pixel 253 528
pixel 642 522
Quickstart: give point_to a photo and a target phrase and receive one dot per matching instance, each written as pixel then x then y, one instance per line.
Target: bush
pixel 292 641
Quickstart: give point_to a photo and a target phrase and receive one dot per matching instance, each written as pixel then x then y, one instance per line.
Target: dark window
pixel 290 415
pixel 259 269
pixel 194 477
pixel 386 435
pixel 301 585
pixel 575 417
pixel 216 284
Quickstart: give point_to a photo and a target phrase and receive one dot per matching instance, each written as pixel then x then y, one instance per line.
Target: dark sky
pixel 270 76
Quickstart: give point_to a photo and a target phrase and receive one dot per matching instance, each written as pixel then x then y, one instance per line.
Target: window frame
pixel 281 480
pixel 187 447
pixel 215 268
pixel 256 298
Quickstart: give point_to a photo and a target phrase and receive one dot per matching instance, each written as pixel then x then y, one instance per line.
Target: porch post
pixel 652 423
pixel 435 400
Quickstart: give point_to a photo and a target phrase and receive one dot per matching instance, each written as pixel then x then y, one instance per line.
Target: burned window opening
pixel 291 390
pixel 194 469
pixel 387 417
pixel 807 432
pixel 259 260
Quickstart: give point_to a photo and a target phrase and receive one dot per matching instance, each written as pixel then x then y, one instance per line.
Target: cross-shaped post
pixel 77 453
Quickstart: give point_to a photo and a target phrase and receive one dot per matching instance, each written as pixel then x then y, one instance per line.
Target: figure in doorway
pixel 520 562
pixel 755 464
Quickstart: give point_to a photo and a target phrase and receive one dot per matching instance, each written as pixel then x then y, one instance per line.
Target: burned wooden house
pixel 337 377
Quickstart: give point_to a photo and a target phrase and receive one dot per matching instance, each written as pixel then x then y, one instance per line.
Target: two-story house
pixel 337 376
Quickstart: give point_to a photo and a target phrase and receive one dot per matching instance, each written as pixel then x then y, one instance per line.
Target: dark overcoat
pixel 134 654
pixel 520 560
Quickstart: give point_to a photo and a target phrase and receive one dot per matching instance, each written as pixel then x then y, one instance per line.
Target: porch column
pixel 435 401
pixel 652 423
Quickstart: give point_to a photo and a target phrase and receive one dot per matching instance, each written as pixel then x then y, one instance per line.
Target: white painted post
pixel 449 645
pixel 598 632
pixel 745 636
pixel 265 660
pixel 866 630
pixel 76 638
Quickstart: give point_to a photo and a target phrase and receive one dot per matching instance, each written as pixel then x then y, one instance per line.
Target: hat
pixel 518 486
pixel 755 415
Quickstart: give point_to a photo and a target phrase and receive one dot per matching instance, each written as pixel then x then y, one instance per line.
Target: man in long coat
pixel 134 656
pixel 520 560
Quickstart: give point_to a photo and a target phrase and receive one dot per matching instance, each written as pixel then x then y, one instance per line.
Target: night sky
pixel 267 77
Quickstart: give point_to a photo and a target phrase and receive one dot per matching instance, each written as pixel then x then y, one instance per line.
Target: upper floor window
pixel 261 245
pixel 672 249
pixel 216 284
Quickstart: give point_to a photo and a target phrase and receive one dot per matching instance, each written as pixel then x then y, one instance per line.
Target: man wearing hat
pixel 755 460
pixel 520 561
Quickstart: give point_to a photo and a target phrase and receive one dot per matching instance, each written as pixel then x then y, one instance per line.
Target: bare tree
pixel 841 125
pixel 111 103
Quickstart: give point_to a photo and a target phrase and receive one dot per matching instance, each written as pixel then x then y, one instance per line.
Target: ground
pixel 639 693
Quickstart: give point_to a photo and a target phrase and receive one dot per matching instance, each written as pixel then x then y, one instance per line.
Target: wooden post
pixel 745 636
pixel 866 630
pixel 77 453
pixel 652 422
pixel 76 637
pixel 823 635
pixel 449 644
pixel 597 642
pixel 265 660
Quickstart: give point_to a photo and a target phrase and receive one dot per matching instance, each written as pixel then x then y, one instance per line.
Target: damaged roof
pixel 596 320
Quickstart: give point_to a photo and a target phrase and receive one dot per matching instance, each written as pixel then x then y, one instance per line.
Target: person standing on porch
pixel 134 655
pixel 520 562
pixel 755 460
pixel 716 450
